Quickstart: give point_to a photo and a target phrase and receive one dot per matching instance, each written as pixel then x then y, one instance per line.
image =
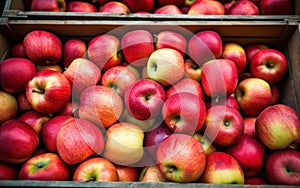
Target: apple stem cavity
pixel 226 123
pixel 41 91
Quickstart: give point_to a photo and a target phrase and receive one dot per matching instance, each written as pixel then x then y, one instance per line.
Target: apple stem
pixel 38 91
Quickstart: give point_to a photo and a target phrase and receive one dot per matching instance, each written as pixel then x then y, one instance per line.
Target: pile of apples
pixel 191 7
pixel 143 106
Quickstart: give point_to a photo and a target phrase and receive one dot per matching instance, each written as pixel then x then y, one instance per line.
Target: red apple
pixel 168 9
pixel 118 78
pixel 103 50
pixel 8 106
pixel 278 126
pixel 80 6
pixel 252 49
pixel 49 5
pixel 192 70
pixel 162 65
pixel 249 126
pixel 179 166
pixel 207 7
pixel 204 46
pixel 222 168
pixel 223 125
pixel 137 6
pixel 219 77
pixel 144 99
pixel 35 119
pixel 18 141
pixel 276 7
pixel 171 39
pixel 8 171
pixel 269 64
pixel 96 169
pixel 100 105
pixel 229 101
pixel 177 3
pixel 152 174
pixel 235 53
pixel 48 91
pixel 43 47
pixel 275 94
pixel 282 167
pixel 81 74
pixel 186 85
pixel 255 180
pixel 184 113
pixel 70 109
pixel 253 95
pixel 46 166
pixel 15 73
pixel 50 130
pixel 114 7
pixel 249 153
pixel 137 40
pixel 72 49
pixel 17 50
pixel 127 173
pixel 77 140
pixel 243 7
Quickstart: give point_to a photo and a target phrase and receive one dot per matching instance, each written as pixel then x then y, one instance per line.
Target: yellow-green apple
pixel 184 112
pixel 204 46
pixel 15 73
pixel 236 53
pixel 152 174
pixel 181 158
pixel 223 125
pixel 222 168
pixel 8 171
pixel 17 50
pixel 276 7
pixel 145 125
pixel 18 141
pixel 178 3
pixel 119 78
pixel 127 173
pixel 35 119
pixel 278 126
pixel 46 166
pixel 253 95
pixel 50 130
pixel 186 85
pixel 80 6
pixel 50 5
pixel 103 50
pixel 249 153
pixel 168 9
pixel 269 64
pixel 70 109
pixel 171 39
pixel 114 7
pixel 126 140
pixel 243 7
pixel 252 49
pixel 144 99
pixel 8 106
pixel 100 105
pixel 137 40
pixel 72 49
pixel 163 63
pixel 137 6
pixel 96 169
pixel 55 67
pixel 207 7
pixel 282 167
pixel 249 126
pixel 43 47
pixel 48 91
pixel 255 180
pixel 208 146
pixel 192 69
pixel 77 140
pixel 154 137
pixel 219 77
pixel 82 73
pixel 229 101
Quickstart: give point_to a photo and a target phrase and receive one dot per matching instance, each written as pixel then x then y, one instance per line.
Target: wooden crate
pixel 281 34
